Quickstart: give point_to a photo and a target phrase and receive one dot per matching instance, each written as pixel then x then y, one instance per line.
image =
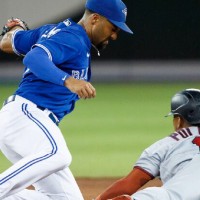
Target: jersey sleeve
pixel 152 157
pixel 22 41
pixel 61 47
pixel 39 64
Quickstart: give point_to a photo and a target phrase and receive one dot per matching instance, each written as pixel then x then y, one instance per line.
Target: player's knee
pixel 67 159
pixel 64 159
pixel 61 157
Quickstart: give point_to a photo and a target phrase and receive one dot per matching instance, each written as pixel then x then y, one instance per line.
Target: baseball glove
pixel 13 22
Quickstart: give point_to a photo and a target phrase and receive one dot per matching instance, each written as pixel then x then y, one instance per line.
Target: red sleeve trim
pixel 146 172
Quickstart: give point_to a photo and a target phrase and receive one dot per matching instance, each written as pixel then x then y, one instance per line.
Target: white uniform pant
pixel 37 149
pixel 183 186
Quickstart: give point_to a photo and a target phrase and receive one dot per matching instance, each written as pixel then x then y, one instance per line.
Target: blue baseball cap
pixel 114 10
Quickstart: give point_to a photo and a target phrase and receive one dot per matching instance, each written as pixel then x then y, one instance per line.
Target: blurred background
pixel 135 78
pixel 165 45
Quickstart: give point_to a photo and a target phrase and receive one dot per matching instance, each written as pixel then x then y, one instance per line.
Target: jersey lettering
pixel 184 133
pixel 50 33
pixel 84 74
pixel 81 75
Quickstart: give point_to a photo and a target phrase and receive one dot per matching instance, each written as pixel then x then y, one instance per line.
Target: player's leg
pixel 31 134
pixel 60 185
pixel 65 187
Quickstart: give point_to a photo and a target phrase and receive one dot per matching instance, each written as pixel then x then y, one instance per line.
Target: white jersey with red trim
pixel 168 156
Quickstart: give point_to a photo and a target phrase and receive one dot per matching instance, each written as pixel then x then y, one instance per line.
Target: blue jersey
pixel 68 46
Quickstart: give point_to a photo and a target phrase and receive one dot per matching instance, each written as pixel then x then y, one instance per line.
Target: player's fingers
pixel 81 94
pixel 86 91
pixel 91 91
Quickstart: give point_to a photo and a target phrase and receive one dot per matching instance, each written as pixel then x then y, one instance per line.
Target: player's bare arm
pixel 8 30
pixel 6 42
pixel 127 185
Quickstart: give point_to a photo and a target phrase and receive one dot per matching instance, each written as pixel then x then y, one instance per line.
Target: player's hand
pixel 12 23
pixel 122 197
pixel 82 88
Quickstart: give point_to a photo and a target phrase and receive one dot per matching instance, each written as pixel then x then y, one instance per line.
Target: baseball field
pixel 107 134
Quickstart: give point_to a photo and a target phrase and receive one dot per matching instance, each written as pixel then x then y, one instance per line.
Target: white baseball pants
pixel 37 149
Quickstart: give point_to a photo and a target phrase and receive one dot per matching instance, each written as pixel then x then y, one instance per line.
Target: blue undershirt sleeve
pixel 39 64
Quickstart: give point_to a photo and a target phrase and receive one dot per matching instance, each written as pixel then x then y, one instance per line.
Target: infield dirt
pixel 91 187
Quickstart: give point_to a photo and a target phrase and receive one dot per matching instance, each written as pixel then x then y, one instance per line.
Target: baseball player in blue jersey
pixel 57 74
pixel 175 159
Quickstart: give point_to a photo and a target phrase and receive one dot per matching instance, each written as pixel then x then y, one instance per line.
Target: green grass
pixel 107 134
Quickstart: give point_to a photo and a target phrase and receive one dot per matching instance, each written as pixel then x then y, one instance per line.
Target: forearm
pixel 118 188
pixel 127 185
pixel 39 64
pixel 6 41
pixel 122 186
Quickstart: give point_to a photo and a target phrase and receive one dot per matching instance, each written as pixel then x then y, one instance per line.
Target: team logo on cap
pixel 125 11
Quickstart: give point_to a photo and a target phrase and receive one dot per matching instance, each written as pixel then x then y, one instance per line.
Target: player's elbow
pixel 27 59
pixel 66 159
pixel 6 44
pixel 5 47
pixel 33 62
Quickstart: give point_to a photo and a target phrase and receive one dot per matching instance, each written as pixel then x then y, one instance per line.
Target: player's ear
pixel 178 122
pixel 95 18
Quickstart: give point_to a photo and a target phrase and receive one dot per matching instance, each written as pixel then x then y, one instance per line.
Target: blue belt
pixel 51 115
